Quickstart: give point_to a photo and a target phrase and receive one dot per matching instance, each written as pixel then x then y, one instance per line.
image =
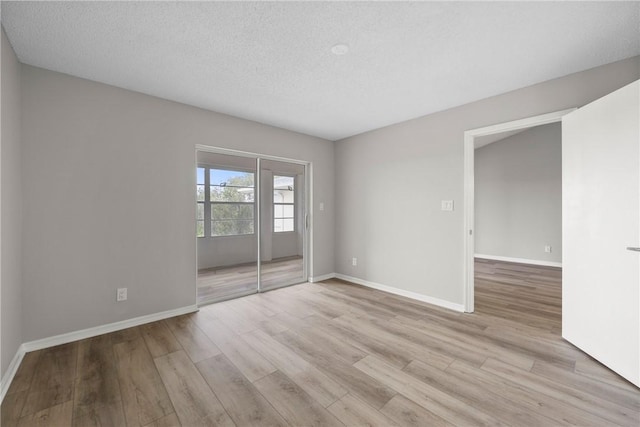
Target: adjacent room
pixel 319 213
pixel 518 224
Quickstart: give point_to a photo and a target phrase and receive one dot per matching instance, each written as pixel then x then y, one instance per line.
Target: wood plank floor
pixel 223 282
pixel 334 354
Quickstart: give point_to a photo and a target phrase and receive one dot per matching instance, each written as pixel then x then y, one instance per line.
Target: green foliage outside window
pixel 232 206
pixel 230 200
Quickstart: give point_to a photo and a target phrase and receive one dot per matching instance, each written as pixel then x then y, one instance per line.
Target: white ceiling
pixel 271 61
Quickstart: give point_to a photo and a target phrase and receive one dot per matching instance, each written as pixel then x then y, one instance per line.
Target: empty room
pixel 319 213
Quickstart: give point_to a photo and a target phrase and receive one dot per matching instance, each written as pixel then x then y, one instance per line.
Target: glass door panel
pixel 226 226
pixel 283 224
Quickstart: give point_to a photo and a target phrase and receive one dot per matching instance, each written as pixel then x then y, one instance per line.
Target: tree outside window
pixel 228 207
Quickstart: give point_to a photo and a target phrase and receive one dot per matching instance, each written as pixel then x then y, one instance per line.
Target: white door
pixel 600 221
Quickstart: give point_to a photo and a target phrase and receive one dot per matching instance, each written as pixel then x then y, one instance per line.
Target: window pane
pixel 283 211
pixel 230 178
pixel 231 211
pixel 200 193
pixel 282 196
pixel 283 225
pixel 219 212
pixel 231 194
pixel 245 211
pixel 283 182
pixel 287 225
pixel 200 176
pixel 283 216
pixel 244 227
pixel 278 211
pixel 231 228
pixel 200 228
pixel 200 211
pixel 283 189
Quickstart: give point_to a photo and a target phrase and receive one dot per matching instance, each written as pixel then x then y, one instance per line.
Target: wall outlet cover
pixel 121 294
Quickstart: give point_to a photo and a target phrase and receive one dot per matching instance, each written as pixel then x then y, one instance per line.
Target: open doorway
pixel 252 226
pixel 474 139
pixel 518 226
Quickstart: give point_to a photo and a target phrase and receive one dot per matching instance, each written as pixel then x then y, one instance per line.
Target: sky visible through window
pixel 217 175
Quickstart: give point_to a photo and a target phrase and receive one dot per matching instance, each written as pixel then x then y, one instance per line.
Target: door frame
pixel 469 188
pixel 307 263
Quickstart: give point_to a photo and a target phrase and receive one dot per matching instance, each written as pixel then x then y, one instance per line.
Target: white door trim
pixel 229 151
pixel 469 202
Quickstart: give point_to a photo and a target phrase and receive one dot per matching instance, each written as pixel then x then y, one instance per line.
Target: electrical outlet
pixel 547 249
pixel 121 294
pixel 354 261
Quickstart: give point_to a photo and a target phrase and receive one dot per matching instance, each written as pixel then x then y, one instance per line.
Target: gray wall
pixel 10 207
pixel 226 251
pixel 390 183
pixel 108 179
pixel 518 195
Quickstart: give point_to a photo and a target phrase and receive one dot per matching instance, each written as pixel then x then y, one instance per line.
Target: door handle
pixel 306 221
pixel 630 248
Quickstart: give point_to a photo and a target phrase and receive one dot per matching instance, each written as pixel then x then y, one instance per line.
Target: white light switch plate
pixel 447 205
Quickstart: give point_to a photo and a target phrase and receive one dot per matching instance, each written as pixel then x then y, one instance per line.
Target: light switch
pixel 447 205
pixel 321 206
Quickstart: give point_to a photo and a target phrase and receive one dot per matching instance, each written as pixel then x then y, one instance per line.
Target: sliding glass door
pixel 283 224
pixel 251 224
pixel 226 226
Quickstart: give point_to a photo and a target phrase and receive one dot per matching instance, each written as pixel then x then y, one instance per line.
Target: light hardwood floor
pixel 334 354
pixel 223 282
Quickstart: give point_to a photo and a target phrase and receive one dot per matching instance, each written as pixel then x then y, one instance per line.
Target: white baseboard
pixel 519 260
pixel 105 329
pixel 413 295
pixel 315 279
pixel 11 371
pixel 82 334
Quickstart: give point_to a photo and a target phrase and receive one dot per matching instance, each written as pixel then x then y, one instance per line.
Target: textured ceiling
pixel 271 61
